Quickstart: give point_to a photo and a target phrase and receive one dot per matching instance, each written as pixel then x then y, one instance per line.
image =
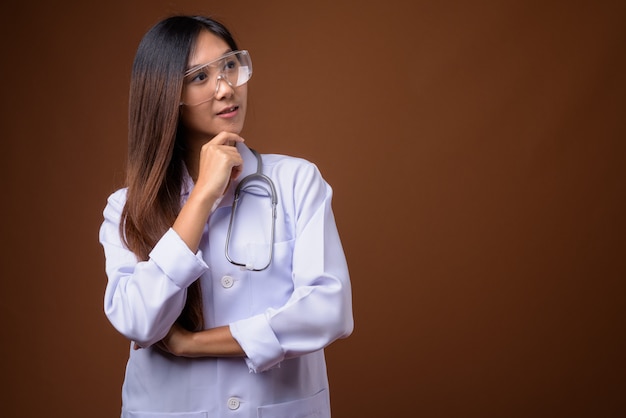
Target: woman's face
pixel 226 111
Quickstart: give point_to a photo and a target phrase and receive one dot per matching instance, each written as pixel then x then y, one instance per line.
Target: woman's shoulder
pixel 284 162
pixel 119 194
pixel 293 172
pixel 117 199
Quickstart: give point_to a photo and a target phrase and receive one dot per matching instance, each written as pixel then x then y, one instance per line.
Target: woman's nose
pixel 223 88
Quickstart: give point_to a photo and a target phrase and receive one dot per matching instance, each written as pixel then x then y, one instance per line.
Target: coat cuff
pixel 258 341
pixel 176 260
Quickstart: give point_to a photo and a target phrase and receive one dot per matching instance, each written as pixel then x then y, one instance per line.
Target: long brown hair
pixel 156 147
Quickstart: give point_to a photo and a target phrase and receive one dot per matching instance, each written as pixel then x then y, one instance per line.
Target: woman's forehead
pixel 208 47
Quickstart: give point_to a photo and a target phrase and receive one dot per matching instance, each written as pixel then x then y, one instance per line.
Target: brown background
pixel 477 154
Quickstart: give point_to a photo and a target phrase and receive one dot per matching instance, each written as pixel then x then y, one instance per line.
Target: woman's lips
pixel 229 111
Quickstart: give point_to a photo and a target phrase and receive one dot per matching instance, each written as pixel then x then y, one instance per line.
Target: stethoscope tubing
pixel 273 195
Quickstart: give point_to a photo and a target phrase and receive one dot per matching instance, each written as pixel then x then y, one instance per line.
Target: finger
pixel 235 172
pixel 226 138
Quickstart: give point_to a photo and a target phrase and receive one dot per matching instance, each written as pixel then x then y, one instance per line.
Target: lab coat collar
pixel 249 167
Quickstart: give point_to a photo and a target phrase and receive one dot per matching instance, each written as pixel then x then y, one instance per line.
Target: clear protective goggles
pixel 201 83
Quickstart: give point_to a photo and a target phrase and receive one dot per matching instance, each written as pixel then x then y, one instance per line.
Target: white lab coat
pixel 282 317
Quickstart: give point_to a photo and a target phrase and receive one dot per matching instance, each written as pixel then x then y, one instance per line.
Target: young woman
pixel 228 305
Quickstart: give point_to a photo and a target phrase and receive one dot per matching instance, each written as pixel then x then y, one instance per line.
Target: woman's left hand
pixel 175 340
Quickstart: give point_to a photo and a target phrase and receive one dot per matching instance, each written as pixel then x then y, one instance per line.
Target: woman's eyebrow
pixel 206 62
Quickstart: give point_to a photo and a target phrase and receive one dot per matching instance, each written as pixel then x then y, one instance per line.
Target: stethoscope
pixel 258 176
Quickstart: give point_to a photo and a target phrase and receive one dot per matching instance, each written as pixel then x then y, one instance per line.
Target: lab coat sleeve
pixel 319 310
pixel 143 299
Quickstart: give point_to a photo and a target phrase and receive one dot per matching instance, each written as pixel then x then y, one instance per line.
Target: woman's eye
pixel 199 77
pixel 229 65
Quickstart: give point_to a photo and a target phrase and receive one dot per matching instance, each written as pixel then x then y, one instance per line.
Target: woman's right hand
pixel 220 162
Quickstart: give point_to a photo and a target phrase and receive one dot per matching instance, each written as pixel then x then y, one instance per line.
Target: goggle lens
pixel 201 83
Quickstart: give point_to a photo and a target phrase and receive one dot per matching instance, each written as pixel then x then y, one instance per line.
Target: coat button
pixel 233 403
pixel 227 282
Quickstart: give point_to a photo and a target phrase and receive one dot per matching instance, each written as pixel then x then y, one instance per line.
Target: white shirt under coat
pixel 282 317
